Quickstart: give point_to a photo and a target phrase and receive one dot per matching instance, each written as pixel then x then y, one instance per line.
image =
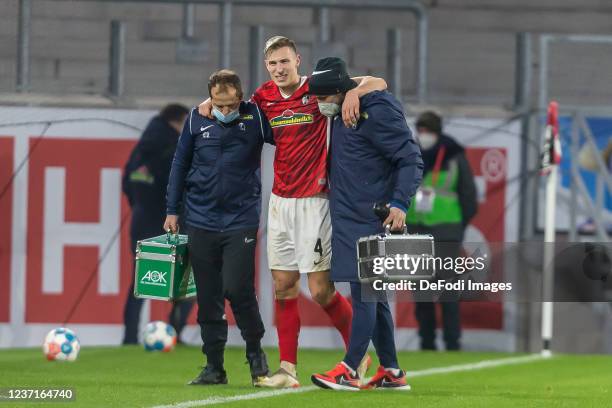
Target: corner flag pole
pixel 551 158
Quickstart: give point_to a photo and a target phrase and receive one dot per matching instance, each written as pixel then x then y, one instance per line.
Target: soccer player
pixel 376 161
pixel 299 227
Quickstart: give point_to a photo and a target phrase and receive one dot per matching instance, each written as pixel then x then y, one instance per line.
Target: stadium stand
pixel 472 45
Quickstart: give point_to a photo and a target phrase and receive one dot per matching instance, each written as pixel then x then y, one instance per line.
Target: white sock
pixel 350 370
pixel 394 371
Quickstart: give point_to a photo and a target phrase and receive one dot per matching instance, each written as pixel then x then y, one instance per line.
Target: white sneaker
pixel 284 377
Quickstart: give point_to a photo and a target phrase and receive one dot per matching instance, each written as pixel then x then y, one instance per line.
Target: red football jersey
pixel 300 135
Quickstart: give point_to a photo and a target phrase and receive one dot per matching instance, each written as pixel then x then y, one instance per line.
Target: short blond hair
pixel 278 42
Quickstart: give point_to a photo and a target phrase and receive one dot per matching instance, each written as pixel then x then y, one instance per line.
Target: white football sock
pixel 289 367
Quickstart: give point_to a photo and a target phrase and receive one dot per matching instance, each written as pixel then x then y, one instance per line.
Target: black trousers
pixel 451 327
pixel 224 268
pixel 425 311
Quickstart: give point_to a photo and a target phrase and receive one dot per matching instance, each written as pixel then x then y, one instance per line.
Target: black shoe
pixel 258 364
pixel 210 376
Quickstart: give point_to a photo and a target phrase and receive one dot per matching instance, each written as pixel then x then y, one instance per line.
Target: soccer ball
pixel 159 336
pixel 61 345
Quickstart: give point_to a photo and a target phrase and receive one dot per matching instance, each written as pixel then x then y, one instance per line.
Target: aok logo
pixel 155 278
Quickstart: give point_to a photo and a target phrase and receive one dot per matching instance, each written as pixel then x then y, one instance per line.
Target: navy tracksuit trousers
pixel 372 320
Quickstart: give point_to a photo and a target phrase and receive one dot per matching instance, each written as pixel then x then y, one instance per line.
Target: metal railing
pixel 225 25
pixel 579 124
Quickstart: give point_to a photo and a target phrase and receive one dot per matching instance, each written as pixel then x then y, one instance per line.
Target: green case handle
pixel 170 236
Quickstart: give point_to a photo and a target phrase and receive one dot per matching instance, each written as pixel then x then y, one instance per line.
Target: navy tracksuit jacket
pixel 377 162
pixel 218 167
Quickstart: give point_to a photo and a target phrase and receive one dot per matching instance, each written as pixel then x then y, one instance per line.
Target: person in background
pixel 145 178
pixel 443 207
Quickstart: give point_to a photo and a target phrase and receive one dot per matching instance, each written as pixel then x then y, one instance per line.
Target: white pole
pixel 549 261
pixel 550 163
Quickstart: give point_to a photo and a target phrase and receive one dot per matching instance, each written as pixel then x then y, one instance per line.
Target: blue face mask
pixel 230 117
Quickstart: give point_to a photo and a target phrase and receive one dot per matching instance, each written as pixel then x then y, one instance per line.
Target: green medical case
pixel 163 270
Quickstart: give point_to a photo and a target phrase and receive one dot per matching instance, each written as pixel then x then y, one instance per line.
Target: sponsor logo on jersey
pixel 242 126
pixel 291 118
pixel 246 117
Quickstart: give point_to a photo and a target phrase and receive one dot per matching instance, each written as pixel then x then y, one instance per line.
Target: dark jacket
pixel 466 189
pixel 218 167
pixel 145 178
pixel 377 162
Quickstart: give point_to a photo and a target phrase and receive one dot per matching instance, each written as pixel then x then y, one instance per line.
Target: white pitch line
pixel 475 366
pixel 420 373
pixel 243 397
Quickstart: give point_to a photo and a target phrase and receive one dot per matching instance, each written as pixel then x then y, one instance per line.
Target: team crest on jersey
pixel 305 100
pixel 291 118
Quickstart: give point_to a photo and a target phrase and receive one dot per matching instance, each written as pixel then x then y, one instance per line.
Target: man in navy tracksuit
pixel 375 161
pixel 217 166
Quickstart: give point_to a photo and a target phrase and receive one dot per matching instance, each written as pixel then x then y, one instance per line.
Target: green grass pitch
pixel 131 377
